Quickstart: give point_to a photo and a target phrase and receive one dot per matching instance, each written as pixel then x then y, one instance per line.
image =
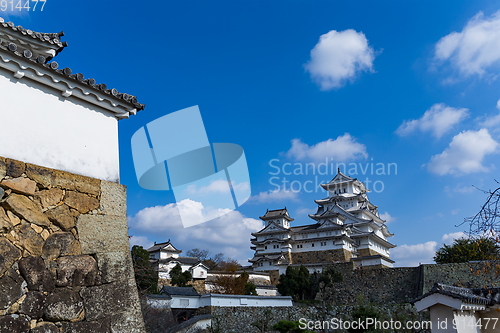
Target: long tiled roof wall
pixel 54 39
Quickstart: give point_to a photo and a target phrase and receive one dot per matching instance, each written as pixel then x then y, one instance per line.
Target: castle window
pixel 312 244
pixel 266 247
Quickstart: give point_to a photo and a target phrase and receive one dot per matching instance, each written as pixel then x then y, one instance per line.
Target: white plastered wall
pixel 41 127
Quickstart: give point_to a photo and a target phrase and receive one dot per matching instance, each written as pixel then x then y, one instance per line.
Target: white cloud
pixel 412 255
pixel 449 238
pixel 438 120
pixel 304 212
pixel 387 217
pixel 475 49
pixel 462 189
pixel 274 196
pixel 455 211
pixel 465 154
pixel 229 234
pixel 217 186
pixel 342 149
pixel 141 241
pixel 339 56
pixel 492 121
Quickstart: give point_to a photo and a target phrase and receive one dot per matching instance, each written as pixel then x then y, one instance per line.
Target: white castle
pixel 348 228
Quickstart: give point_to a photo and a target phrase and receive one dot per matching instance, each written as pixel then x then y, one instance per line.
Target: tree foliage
pixel 361 313
pixel 468 249
pixel 211 261
pixel 230 282
pixel 178 277
pixel 145 276
pixel 286 326
pixel 295 282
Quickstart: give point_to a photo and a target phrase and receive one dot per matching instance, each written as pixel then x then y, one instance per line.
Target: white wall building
pixel 164 257
pixel 462 310
pixel 39 95
pixel 348 228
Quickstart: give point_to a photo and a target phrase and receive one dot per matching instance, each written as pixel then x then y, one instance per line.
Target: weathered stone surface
pixel 101 326
pixel 96 299
pixel 30 239
pixel 60 244
pixel 76 271
pixel 48 178
pixel 9 254
pixel 2 192
pixel 5 225
pixel 63 304
pixel 81 202
pixel 20 185
pixel 113 199
pixel 14 323
pixel 50 197
pixel 10 289
pixel 35 273
pixel 46 327
pixel 33 305
pixel 13 218
pixel 14 168
pixel 114 266
pixel 26 208
pixel 3 169
pixel 62 217
pixel 101 233
pixel 45 234
pixel 88 185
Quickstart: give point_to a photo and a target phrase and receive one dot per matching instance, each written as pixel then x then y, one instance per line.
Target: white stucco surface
pixel 42 127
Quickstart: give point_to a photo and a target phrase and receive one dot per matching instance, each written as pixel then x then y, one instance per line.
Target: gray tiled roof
pixel 179 291
pixel 276 213
pixel 159 246
pixel 41 61
pixel 485 296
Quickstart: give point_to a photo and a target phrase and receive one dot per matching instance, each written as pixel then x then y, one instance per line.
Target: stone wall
pixel 403 284
pixel 240 319
pixel 65 262
pixel 321 256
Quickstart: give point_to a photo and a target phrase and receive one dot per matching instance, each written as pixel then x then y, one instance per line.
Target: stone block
pixel 35 273
pixel 81 202
pixel 20 185
pixel 14 323
pixel 113 199
pixel 50 197
pixel 33 305
pixel 9 254
pixel 63 304
pixel 26 208
pixel 14 168
pixel 3 169
pixel 60 244
pixel 75 271
pixel 101 233
pixel 5 225
pixel 46 327
pixel 30 239
pixel 114 266
pixel 97 299
pixel 10 288
pixel 102 326
pixel 62 217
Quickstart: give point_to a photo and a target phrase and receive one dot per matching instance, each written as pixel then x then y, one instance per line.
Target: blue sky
pixel 413 83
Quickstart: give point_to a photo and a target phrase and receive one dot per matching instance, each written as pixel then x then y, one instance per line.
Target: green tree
pixel 295 282
pixel 468 249
pixel 285 326
pixel 319 282
pixel 178 277
pixel 145 276
pixel 361 313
